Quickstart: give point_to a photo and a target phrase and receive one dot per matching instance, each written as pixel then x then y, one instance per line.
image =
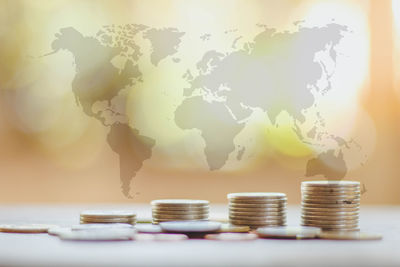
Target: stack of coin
pixel 257 209
pixel 102 216
pixel 164 210
pixel 331 205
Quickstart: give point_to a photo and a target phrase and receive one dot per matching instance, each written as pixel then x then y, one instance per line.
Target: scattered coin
pixel 160 237
pixel 25 228
pixel 191 226
pixel 232 236
pixel 229 228
pixel 290 232
pixel 99 235
pixel 148 228
pixel 96 226
pixel 349 236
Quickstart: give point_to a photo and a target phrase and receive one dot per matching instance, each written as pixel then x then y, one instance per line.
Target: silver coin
pixel 180 217
pixel 90 226
pixel 300 232
pixel 329 205
pixel 231 236
pixel 181 212
pixel 330 218
pixel 244 213
pixel 259 206
pixel 256 218
pixel 107 213
pixel 349 210
pixel 148 228
pixel 191 227
pixel 160 237
pixel 99 235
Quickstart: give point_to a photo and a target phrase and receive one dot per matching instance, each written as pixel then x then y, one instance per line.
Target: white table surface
pixel 46 250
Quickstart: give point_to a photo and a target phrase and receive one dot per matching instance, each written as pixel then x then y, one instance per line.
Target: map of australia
pixel 275 72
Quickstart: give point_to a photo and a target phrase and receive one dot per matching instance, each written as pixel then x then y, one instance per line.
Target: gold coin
pixel 257 195
pixel 242 213
pixel 25 228
pixel 260 206
pixel 349 236
pixel 229 228
pixel 329 205
pixel 107 221
pixel 331 183
pixel 231 236
pixel 180 202
pixel 256 222
pixel 257 218
pixel 155 220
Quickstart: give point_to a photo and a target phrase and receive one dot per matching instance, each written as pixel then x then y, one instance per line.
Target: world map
pixel 275 72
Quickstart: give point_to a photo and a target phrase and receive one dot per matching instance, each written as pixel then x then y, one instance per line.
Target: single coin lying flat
pixel 99 235
pixel 160 237
pixel 231 236
pixel 107 213
pixel 25 228
pixel 349 236
pixel 190 226
pixel 289 232
pixel 148 228
pixel 90 226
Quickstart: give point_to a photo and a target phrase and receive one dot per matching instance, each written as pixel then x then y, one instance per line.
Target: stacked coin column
pixel 331 205
pixel 257 209
pixel 164 210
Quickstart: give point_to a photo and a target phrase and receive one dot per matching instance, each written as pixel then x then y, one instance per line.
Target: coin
pixel 229 228
pixel 148 228
pixel 180 217
pixel 90 226
pixel 259 206
pixel 130 221
pixel 331 223
pixel 160 237
pixel 156 221
pixel 256 218
pixel 57 230
pixel 25 228
pixel 330 201
pixel 331 226
pixel 310 193
pixel 257 225
pixel 260 213
pixel 327 205
pixel 345 210
pixel 259 222
pixel 99 235
pixel 329 218
pixel 180 212
pixel 179 202
pixel 349 236
pixel 232 236
pixel 191 226
pixel 330 183
pixel 107 214
pixel 290 232
pixel 256 195
pixel 337 197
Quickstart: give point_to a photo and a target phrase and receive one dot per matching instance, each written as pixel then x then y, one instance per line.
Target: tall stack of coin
pixel 165 210
pixel 331 205
pixel 103 216
pixel 257 209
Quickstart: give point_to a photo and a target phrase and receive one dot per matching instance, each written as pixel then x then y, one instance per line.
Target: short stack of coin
pixel 257 209
pixel 103 216
pixel 164 210
pixel 331 205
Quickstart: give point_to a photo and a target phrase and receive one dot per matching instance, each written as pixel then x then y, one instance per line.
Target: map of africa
pixel 275 72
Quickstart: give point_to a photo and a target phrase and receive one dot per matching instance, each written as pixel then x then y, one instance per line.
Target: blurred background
pixel 51 151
